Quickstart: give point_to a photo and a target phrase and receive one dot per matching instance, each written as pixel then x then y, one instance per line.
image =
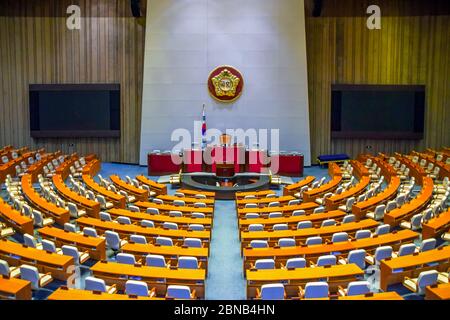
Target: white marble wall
pixel 187 39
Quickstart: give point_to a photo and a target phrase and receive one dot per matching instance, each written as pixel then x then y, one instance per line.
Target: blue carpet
pixel 225 277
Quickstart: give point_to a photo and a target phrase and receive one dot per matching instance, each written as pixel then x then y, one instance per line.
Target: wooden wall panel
pixel 407 50
pixel 36 47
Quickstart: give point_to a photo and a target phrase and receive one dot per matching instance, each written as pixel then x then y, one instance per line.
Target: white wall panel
pixel 264 39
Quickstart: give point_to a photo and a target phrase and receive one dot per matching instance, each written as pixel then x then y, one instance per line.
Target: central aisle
pixel 225 279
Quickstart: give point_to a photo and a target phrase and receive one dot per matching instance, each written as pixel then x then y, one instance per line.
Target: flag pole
pixel 204 127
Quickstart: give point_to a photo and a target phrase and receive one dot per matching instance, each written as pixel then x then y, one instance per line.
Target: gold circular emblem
pixel 225 84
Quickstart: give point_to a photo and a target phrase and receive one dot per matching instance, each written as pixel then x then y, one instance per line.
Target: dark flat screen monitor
pixel 74 110
pixel 377 111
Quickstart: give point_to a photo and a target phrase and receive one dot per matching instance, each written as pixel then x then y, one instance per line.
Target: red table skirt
pixel 290 165
pixel 159 164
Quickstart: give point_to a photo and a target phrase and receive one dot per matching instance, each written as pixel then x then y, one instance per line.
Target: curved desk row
pixel 159 278
pixel 60 215
pixel 394 239
pixel 159 219
pixel 295 187
pixel 138 193
pixel 16 219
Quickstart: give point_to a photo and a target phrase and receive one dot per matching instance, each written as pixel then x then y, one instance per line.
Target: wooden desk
pixel 302 234
pixel 15 219
pixel 16 254
pixel 257 194
pixel 118 200
pixel 438 292
pixel 263 202
pixel 140 194
pixel 64 168
pixel 189 201
pixel 95 246
pixel 391 295
pixel 336 177
pixel 359 169
pixel 336 200
pixel 159 278
pixel 394 270
pixel 142 250
pixel 10 167
pixel 225 169
pixel 125 230
pixel 165 208
pixel 37 168
pixel 360 209
pixel 158 188
pixel 295 187
pixel 63 293
pixel 394 239
pixel 338 275
pixel 415 170
pixel 91 207
pixel 159 219
pixel 92 167
pixel 170 253
pixel 434 153
pixel 14 289
pixel 396 216
pixel 436 226
pixel 6 149
pixel 286 210
pixel 444 169
pixel 60 215
pixel 313 252
pixel 316 219
pixel 188 192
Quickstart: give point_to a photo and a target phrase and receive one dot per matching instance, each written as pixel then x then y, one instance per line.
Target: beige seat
pixel 31 273
pixel 417 285
pixel 6 232
pixel 103 203
pixel 95 284
pixel 6 270
pixel 79 257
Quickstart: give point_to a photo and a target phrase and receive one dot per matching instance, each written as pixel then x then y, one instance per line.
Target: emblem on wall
pixel 225 84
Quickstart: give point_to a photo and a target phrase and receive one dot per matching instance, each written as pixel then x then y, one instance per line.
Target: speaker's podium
pixel 226 161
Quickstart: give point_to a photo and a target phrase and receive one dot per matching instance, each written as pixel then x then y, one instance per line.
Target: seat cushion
pixel 370 259
pixel 44 280
pixel 410 284
pixel 443 277
pixel 111 289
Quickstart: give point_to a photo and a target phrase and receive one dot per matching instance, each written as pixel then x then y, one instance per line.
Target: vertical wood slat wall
pixel 407 50
pixel 38 48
